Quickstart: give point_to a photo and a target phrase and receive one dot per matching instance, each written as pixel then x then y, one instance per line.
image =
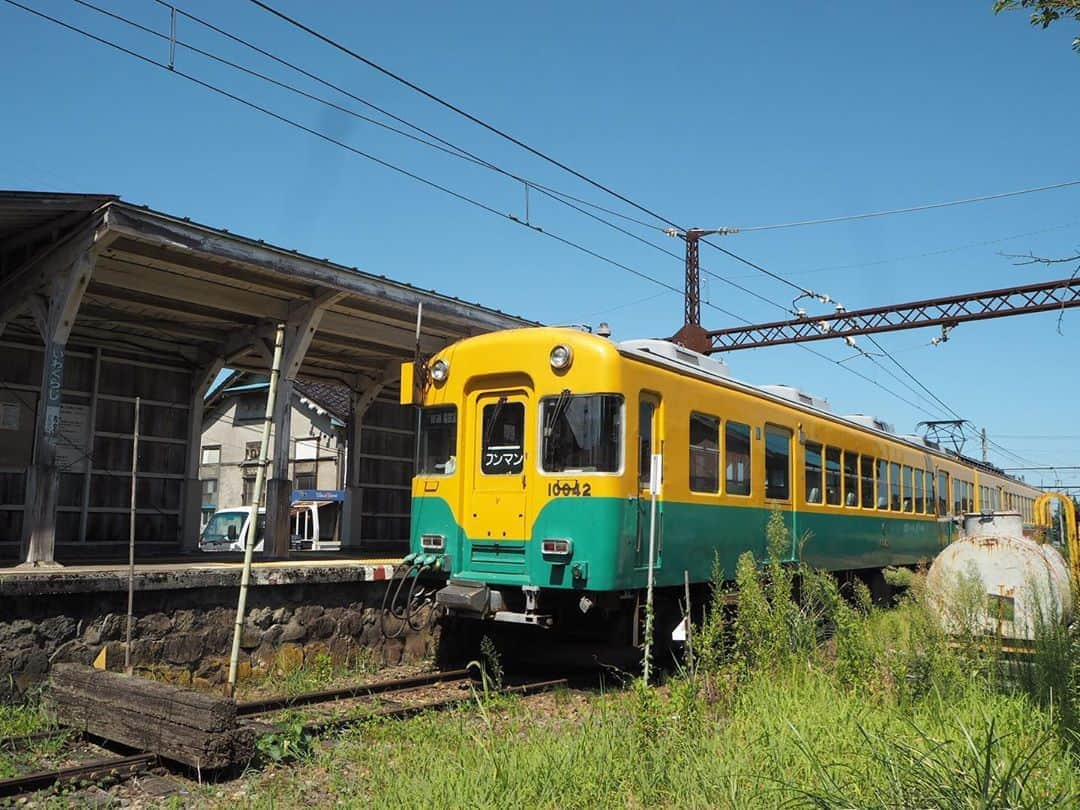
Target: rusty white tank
pixel 994 580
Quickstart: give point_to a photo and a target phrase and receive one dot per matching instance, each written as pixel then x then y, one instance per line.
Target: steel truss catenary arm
pixel 948 311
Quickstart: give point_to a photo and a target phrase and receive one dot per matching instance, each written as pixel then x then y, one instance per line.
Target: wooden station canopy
pixel 176 287
pixel 84 274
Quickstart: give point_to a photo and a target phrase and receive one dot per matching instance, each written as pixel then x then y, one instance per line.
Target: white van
pixel 227 529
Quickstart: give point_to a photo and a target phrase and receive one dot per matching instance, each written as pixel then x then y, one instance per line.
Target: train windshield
pixel 438 441
pixel 582 433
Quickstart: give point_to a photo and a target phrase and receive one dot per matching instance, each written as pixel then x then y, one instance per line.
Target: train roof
pixel 683 360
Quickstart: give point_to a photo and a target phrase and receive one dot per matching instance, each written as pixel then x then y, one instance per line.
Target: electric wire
pixel 341 144
pixel 501 133
pixel 927 254
pixel 460 196
pixel 910 209
pixel 454 108
pixel 437 142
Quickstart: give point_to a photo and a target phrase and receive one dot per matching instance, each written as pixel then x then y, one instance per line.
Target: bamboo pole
pixel 131 541
pixel 654 492
pixel 689 623
pixel 256 497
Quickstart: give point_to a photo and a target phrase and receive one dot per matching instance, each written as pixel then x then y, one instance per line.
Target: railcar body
pixel 533 462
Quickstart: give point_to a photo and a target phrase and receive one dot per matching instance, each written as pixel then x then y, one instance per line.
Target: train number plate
pixel 569 489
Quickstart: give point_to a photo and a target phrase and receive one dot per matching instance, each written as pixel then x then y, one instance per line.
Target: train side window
pixel 907 498
pixel 942 493
pixel 851 478
pixel 832 476
pixel 920 494
pixel 438 440
pixel 867 480
pixel 777 463
pixel 930 504
pixel 737 458
pixel 882 478
pixel 894 487
pixel 958 496
pixel 704 453
pixel 813 472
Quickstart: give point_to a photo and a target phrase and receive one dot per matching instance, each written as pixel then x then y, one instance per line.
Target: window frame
pixel 838 473
pixel 539 438
pixel 748 476
pixel 419 450
pixel 693 447
pixel 790 435
pixel 501 404
pixel 808 449
pixel 848 476
pixel 896 492
pixel 881 484
pixel 867 476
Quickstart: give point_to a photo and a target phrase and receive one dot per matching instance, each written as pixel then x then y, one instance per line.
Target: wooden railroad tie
pixel 192 728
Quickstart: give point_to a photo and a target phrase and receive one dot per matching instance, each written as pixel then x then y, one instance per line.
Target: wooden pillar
pixel 55 320
pixel 279 485
pixel 42 487
pixel 352 508
pixel 191 519
pixel 300 329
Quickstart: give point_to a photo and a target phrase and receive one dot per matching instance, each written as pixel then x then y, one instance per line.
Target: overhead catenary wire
pixel 516 141
pixel 456 109
pixel 336 142
pixel 926 254
pixel 436 141
pixel 458 151
pixel 466 198
pixel 910 209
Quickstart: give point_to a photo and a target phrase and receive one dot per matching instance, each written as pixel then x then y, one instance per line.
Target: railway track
pixel 91 772
pixel 397 698
pixel 329 709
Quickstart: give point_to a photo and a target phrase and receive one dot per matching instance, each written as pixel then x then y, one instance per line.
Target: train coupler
pixel 477 600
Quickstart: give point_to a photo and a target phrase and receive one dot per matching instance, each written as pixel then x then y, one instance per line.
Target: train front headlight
pixel 561 357
pixel 440 370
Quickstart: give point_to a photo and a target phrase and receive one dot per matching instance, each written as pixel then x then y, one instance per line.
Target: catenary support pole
pixel 131 539
pixel 256 496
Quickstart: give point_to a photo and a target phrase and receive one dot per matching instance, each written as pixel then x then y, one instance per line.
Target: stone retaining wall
pixel 184 636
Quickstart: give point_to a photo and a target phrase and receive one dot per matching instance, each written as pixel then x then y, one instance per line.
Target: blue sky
pixel 711 114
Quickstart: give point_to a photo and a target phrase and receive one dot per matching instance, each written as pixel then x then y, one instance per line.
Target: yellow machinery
pixel 1044 518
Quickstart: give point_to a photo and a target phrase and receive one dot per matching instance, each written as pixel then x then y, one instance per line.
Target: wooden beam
pixel 146 226
pixel 40 272
pixel 210 293
pixel 301 327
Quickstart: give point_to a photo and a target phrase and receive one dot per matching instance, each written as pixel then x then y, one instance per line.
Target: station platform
pixel 195 571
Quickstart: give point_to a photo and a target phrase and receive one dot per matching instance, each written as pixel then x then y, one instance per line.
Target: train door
pixel 649 442
pixel 778 479
pixel 498 472
pixel 944 520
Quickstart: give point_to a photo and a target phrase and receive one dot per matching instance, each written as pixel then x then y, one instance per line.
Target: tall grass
pixel 792 737
pixel 804 696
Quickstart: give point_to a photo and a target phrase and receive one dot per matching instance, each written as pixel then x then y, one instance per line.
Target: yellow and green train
pixel 532 481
